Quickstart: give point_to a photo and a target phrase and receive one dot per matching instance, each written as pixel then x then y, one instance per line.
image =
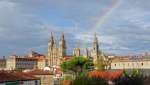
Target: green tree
pixel 77 65
pixel 109 63
pixel 135 78
pixel 100 65
pixel 84 80
pixel 125 72
pixel 134 73
pixel 67 77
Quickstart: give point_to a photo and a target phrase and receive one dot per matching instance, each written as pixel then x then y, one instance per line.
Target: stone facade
pixel 21 63
pixel 85 53
pixel 46 77
pixel 95 50
pixel 130 64
pixel 3 63
pixel 41 63
pixel 54 53
pixel 76 51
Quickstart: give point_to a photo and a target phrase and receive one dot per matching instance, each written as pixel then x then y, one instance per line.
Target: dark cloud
pixel 26 25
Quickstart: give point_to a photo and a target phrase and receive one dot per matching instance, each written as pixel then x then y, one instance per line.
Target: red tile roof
pixel 58 71
pixel 126 57
pixel 66 58
pixel 14 56
pixel 29 57
pixel 117 57
pixel 67 82
pixel 40 72
pixel 109 76
pixel 40 58
pixel 8 76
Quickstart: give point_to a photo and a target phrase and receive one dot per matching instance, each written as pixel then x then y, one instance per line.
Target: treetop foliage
pixel 76 64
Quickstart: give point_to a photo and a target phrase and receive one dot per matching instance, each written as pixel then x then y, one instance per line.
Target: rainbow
pixel 104 16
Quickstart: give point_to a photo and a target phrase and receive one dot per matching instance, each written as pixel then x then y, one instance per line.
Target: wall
pixel 46 79
pixel 130 64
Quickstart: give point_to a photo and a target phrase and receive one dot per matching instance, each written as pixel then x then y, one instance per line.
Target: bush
pixel 84 80
pixel 135 78
pixel 67 77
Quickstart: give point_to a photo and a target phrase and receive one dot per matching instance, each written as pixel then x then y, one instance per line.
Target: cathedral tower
pixel 85 53
pixel 61 48
pixel 49 56
pixel 95 50
pixel 76 51
pixel 54 54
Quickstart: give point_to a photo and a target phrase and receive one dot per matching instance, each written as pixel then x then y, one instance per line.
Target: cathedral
pixel 56 53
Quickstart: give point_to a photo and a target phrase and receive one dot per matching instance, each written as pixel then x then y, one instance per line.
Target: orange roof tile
pixel 8 76
pixel 40 58
pixel 109 76
pixel 58 71
pixel 126 56
pixel 67 82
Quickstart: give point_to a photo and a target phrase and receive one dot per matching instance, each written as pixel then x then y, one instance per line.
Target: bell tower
pixel 95 50
pixel 61 48
pixel 76 51
pixel 85 53
pixel 49 55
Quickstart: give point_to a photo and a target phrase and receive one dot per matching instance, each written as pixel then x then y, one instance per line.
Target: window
pixel 123 64
pixel 132 64
pixel 44 78
pixel 128 64
pixel 142 63
pixel 115 64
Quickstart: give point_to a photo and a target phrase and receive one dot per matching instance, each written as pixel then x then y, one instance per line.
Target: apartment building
pixel 16 62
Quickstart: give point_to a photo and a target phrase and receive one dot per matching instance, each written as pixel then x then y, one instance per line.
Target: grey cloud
pixel 125 31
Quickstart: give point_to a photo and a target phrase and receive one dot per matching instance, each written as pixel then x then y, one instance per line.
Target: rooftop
pixel 39 72
pixel 8 76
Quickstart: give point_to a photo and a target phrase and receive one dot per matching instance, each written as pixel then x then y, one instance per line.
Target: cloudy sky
pixel 26 25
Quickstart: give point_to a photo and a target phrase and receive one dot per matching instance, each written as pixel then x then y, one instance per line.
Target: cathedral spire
pixel 95 49
pixel 85 53
pixel 62 45
pixel 62 38
pixel 85 48
pixel 76 51
pixel 77 46
pixel 95 38
pixel 51 37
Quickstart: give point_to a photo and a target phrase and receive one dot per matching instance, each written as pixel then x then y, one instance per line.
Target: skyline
pixel 122 26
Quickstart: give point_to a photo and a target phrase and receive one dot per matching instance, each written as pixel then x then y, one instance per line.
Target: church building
pixel 56 53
